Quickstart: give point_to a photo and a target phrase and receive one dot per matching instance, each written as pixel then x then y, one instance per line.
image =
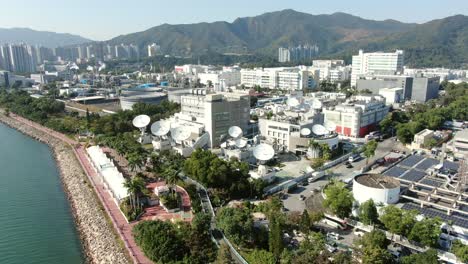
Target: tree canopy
pixel 338 199
pixel 368 213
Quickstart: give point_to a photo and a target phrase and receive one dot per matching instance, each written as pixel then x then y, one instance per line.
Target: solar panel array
pixel 413 175
pixel 427 163
pixel 432 182
pixel 395 172
pixel 457 219
pixel 451 165
pixel 411 161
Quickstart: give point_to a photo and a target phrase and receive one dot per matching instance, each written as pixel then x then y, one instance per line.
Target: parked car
pixel 354 157
pixel 301 197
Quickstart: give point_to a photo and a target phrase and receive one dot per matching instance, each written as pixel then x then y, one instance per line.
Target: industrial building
pixel 380 188
pixel 357 116
pixel 150 95
pixel 419 89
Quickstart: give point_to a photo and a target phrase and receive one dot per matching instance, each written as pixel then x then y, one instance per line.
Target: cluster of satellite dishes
pixel 319 130
pixel 99 67
pixel 236 140
pixel 299 103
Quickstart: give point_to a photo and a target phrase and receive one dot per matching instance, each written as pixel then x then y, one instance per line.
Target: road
pixel 293 203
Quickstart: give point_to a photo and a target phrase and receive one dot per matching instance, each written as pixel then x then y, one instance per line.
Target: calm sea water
pixel 36 223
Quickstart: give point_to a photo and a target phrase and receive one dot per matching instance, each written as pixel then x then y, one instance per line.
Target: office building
pixel 287 79
pixel 221 79
pixel 327 63
pixel 217 112
pixel 357 116
pixel 378 63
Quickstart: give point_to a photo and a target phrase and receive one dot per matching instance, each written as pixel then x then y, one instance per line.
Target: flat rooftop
pixel 377 181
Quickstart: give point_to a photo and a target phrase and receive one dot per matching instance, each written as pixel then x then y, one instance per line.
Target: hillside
pixel 442 42
pixel 43 38
pixel 263 34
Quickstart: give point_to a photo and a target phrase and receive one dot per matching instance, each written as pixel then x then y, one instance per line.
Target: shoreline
pixel 100 243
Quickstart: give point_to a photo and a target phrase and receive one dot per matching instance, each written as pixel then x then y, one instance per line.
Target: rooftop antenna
pixel 305 132
pixel 330 126
pixel 263 153
pixel 179 134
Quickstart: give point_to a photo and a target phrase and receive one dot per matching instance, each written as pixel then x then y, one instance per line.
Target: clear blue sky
pixel 104 19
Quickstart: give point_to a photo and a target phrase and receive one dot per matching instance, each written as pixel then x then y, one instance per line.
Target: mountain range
pixel 442 42
pixel 42 38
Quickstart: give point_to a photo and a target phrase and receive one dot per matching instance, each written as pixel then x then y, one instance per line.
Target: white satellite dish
pixel 141 121
pixel 90 68
pixel 263 152
pixel 180 133
pixel 305 132
pixel 240 143
pixel 160 128
pixel 292 102
pixel 235 131
pixel 330 126
pixel 319 130
pixel 317 104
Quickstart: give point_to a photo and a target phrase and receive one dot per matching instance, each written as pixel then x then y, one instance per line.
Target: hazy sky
pixel 104 19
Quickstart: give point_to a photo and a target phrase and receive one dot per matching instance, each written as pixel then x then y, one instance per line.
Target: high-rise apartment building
pixel 284 55
pixel 378 63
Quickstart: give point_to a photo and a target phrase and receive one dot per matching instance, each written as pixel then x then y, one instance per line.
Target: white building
pixel 379 188
pixel 327 63
pixel 422 138
pixel 392 95
pixel 284 55
pixel 153 50
pixel 288 79
pixel 222 79
pixel 217 112
pixel 460 141
pixel 377 62
pixel 358 116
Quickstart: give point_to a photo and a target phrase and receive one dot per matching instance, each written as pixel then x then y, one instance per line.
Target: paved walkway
pixel 158 212
pixel 123 228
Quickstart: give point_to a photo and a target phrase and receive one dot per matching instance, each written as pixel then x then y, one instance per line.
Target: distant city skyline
pixel 105 19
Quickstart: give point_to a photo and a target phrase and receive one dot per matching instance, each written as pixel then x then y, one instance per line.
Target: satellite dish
pixel 160 128
pixel 240 143
pixel 305 132
pixel 317 104
pixel 180 133
pixel 263 152
pixel 319 130
pixel 90 68
pixel 141 121
pixel 235 131
pixel 292 102
pixel 330 126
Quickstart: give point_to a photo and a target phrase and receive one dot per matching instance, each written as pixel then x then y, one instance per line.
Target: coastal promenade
pixel 122 227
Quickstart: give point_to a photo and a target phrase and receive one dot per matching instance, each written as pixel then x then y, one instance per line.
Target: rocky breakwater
pixel 101 243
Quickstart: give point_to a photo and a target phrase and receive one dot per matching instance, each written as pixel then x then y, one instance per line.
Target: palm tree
pixel 139 187
pixel 131 188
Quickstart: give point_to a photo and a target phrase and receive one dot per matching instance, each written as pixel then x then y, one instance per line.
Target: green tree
pixel 224 255
pixel 369 149
pixel 275 240
pixel 261 257
pixel 372 248
pixel 305 223
pixel 342 257
pixel 428 257
pixel 338 199
pixel 398 221
pixel 375 255
pixel 236 223
pixel 460 250
pixel 368 213
pixel 198 239
pixel 427 232
pixel 159 241
pixel 375 238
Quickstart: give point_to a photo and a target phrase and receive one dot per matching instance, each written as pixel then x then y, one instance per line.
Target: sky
pixel 104 19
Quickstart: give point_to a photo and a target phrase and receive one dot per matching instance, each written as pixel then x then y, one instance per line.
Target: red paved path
pixel 123 228
pixel 158 212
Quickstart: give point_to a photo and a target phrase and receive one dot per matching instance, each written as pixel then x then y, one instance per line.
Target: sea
pixel 36 222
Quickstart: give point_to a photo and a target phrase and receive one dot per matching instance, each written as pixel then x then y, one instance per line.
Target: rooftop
pixel 377 181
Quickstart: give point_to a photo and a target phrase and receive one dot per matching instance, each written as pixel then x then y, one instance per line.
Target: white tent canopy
pixel 113 179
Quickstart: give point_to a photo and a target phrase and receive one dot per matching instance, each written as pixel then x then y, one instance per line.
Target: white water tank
pixel 380 188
